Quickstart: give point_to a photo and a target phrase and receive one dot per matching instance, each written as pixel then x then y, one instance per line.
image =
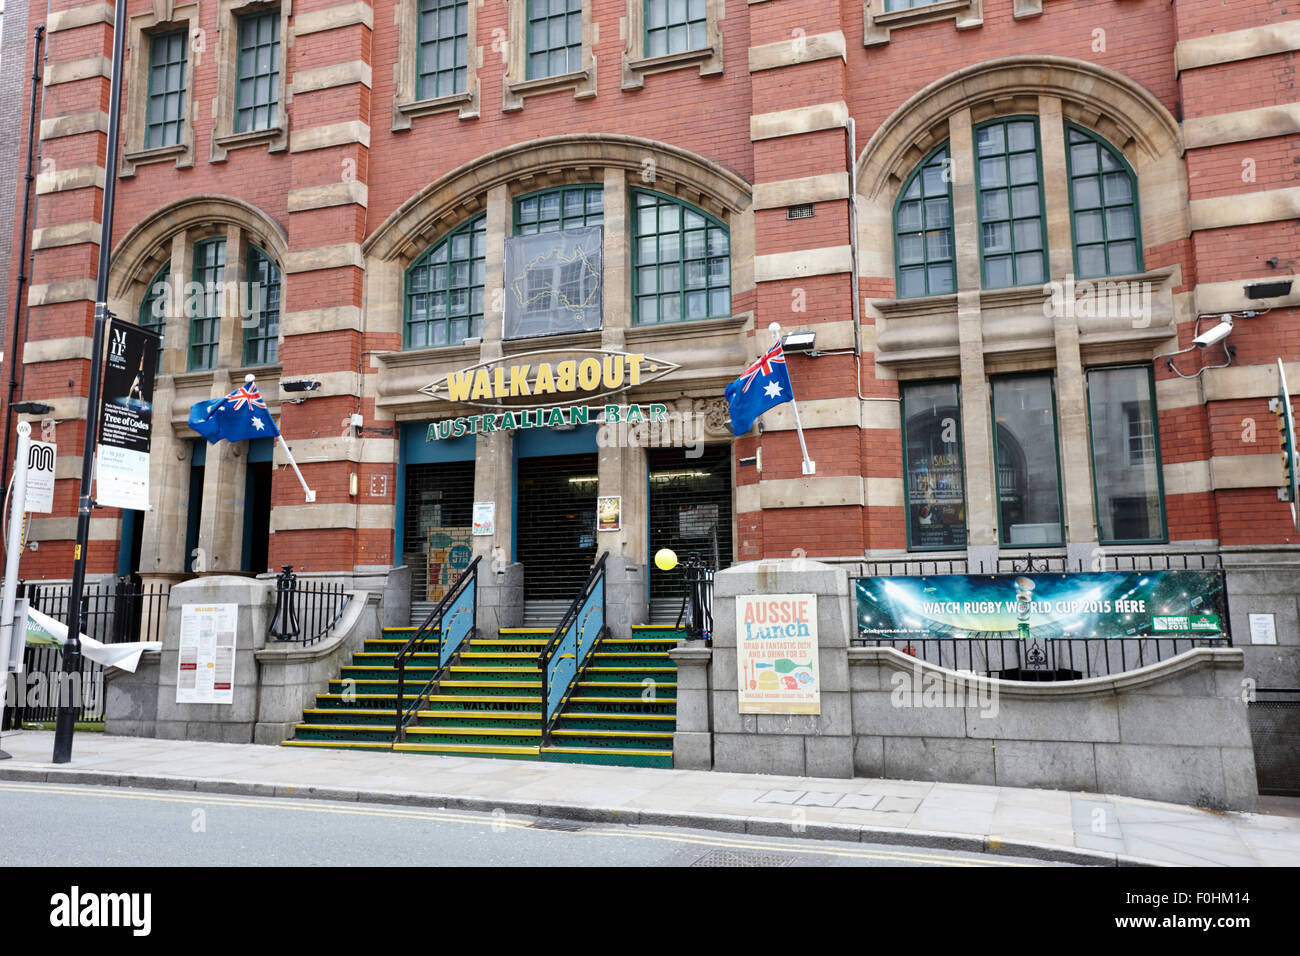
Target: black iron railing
pixel 568 652
pixel 453 620
pixel 1101 559
pixel 1042 659
pixel 123 611
pixel 305 611
pixel 697 603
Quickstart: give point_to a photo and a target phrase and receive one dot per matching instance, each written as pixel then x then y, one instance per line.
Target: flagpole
pixel 809 466
pixel 311 495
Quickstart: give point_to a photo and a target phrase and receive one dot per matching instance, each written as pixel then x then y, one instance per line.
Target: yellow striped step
pixel 470 749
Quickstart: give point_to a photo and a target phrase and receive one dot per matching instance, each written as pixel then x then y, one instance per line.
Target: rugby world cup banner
pixel 1113 605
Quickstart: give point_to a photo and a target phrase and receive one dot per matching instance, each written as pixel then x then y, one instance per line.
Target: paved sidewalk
pixel 1047 824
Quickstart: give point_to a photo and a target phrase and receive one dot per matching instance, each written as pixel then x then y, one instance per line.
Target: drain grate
pixel 742 858
pixel 564 826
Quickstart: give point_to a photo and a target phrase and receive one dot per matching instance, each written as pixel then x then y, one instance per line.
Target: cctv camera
pixel 1216 334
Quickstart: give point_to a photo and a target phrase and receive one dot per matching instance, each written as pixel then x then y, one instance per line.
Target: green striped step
pixel 508 752
pixel 624 757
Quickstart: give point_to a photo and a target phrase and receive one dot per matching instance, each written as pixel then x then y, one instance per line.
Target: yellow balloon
pixel 665 559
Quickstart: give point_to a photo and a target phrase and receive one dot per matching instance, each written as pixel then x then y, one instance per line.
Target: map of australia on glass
pixel 553 283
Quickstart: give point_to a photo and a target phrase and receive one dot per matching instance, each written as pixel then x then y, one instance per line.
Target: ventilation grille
pixel 801 211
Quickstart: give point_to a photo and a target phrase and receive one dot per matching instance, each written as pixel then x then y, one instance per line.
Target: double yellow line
pixel 500 822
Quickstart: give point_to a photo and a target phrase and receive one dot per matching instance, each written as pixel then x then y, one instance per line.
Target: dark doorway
pixel 436 543
pixel 195 513
pixel 690 511
pixel 555 531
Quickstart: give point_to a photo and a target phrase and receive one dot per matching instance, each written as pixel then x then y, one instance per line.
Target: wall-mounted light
pixel 799 341
pixel 1268 290
pixel 31 408
pixel 301 385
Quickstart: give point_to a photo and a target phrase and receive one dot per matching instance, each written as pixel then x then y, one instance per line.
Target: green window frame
pixel 262 337
pixel 1005 469
pixel 1013 227
pixel 442 45
pixel 148 316
pixel 554 37
pixel 1104 216
pixel 567 207
pixel 924 257
pixel 675 26
pixel 165 121
pixel 936 486
pixel 205 323
pixel 444 289
pixel 1110 511
pixel 257 90
pixel 681 262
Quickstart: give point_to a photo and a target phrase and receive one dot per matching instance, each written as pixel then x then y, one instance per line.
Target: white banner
pixel 122 478
pixel 205 666
pixel 45 631
pixel 41 457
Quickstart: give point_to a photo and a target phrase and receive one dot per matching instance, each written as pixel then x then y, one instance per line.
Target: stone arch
pixel 1113 105
pixel 553 160
pixel 139 254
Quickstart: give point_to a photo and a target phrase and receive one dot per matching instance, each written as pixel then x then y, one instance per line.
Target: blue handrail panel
pixel 457 621
pixel 561 668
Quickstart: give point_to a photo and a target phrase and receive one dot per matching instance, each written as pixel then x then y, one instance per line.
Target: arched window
pixel 551 210
pixel 1013 231
pixel 262 340
pixel 444 289
pixel 1103 207
pixel 205 324
pixel 681 262
pixel 923 245
pixel 153 309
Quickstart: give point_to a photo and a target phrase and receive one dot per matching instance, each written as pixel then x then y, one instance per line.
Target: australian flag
pixel 763 385
pixel 241 414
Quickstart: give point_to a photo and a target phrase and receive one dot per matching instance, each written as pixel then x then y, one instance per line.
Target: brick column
pixel 802 268
pixel 323 338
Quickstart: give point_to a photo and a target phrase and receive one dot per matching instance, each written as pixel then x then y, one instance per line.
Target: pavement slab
pixel 1052 825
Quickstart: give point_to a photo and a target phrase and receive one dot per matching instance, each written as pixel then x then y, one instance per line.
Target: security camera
pixel 1216 334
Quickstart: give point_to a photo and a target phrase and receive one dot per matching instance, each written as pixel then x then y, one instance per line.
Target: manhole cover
pixel 742 858
pixel 565 826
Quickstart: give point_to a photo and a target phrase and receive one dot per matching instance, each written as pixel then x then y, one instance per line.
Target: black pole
pixel 22 254
pixel 76 617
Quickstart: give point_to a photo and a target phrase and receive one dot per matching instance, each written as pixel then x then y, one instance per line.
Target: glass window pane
pixel 1028 467
pixel 1083 159
pixel 993 171
pixel 935 483
pixel 1087 227
pixel 1087 195
pixel 1123 258
pixel 1119 188
pixel 1121 413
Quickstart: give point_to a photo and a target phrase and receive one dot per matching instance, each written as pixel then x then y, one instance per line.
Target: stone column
pixel 221 525
pixel 814 745
pixel 977 438
pixel 693 737
pixel 1071 395
pixel 500 580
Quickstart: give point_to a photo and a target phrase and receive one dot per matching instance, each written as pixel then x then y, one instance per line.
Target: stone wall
pixel 1176 730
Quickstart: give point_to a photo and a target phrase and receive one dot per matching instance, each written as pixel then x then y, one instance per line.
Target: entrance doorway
pixel 555 529
pixel 436 542
pixel 257 506
pixel 690 512
pixel 198 461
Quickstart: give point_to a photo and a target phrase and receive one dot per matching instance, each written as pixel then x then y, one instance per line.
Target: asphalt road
pixel 125 827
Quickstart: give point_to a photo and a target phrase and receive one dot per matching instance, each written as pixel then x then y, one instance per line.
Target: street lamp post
pixel 67 718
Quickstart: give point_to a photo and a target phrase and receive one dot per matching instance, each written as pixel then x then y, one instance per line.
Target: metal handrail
pixel 595 577
pixel 419 638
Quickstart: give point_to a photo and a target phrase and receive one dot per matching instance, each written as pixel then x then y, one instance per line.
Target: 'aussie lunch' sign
pixel 776 654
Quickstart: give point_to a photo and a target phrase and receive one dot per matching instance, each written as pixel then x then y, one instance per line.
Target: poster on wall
pixel 450 551
pixel 1118 605
pixel 609 513
pixel 485 518
pixel 125 417
pixel 553 282
pixel 776 654
pixel 205 665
